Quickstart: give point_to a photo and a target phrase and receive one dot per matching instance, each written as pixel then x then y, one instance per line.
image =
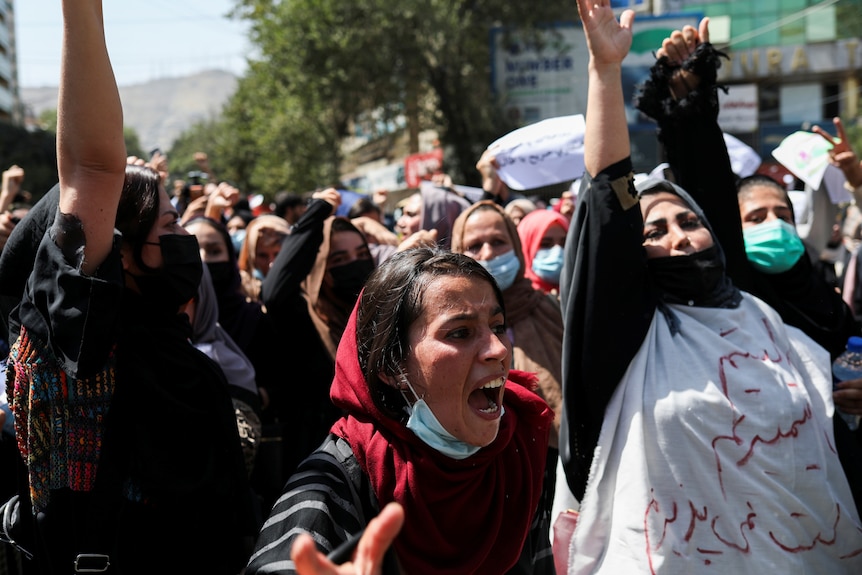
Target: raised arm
pixel 91 153
pixel 681 95
pixel 606 140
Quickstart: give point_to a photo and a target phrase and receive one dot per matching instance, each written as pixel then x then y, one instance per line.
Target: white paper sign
pixel 541 154
pixel 743 160
pixel 806 155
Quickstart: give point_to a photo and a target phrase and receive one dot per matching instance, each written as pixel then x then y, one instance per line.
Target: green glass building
pixel 793 63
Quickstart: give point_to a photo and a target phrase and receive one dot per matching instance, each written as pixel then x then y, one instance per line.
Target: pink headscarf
pixel 531 230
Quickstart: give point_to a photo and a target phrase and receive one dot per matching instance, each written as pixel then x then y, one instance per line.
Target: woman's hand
pixel 368 557
pixel 329 195
pixel 848 396
pixel 420 239
pixel 678 48
pixel 842 155
pixel 681 44
pixel 375 232
pixel 609 41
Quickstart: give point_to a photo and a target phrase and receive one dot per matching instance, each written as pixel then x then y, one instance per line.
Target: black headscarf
pixel 696 279
pixel 604 325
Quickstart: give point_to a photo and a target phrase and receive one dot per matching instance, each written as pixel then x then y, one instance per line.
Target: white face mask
pixel 425 425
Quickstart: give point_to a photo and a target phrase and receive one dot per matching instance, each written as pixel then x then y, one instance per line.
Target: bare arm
pixel 607 137
pixel 91 153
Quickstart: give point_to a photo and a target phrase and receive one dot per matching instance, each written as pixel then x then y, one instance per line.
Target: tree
pixel 331 63
pixel 133 143
pixel 35 151
pixel 202 136
pixel 48 123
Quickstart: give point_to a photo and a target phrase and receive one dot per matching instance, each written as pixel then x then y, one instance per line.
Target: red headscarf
pixel 462 516
pixel 531 230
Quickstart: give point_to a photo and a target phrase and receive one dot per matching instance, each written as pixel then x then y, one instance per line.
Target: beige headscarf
pixel 268 225
pixel 329 316
pixel 535 319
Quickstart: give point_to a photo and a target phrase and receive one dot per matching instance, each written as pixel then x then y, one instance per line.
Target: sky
pixel 146 39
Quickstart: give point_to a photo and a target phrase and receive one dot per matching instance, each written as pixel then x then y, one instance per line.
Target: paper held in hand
pixel 542 154
pixel 806 155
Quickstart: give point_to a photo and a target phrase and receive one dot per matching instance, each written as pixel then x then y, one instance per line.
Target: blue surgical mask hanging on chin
pixel 425 425
pixel 773 247
pixel 548 263
pixel 504 268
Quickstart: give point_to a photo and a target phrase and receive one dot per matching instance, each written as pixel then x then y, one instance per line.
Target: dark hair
pixel 342 224
pixel 138 209
pixel 286 200
pixel 221 229
pixel 243 214
pixel 745 185
pixel 363 206
pixel 392 300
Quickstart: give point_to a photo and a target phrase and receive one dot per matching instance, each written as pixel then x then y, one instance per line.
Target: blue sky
pixel 146 39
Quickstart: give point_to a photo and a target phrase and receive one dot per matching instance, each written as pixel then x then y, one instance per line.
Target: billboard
pixel 546 79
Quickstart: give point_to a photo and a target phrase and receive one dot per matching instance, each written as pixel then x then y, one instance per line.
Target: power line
pixel 782 22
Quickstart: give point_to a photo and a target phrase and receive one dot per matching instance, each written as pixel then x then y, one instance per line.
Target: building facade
pixel 793 63
pixel 10 101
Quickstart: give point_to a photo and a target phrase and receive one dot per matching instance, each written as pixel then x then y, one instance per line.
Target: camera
pixel 196 178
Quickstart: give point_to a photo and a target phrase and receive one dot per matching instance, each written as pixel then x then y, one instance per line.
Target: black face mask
pixel 222 274
pixel 178 279
pixel 696 278
pixel 349 279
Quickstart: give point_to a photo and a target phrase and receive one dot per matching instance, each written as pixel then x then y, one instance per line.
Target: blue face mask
pixel 504 268
pixel 773 247
pixel 258 275
pixel 425 425
pixel 237 238
pixel 548 264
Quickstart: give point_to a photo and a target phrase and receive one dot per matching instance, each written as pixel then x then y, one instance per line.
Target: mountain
pixel 159 110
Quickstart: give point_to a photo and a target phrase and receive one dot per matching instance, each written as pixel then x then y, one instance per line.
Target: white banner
pixel 541 154
pixel 743 160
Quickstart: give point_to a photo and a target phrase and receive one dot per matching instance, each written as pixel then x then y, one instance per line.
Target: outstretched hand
pixel 609 41
pixel 368 558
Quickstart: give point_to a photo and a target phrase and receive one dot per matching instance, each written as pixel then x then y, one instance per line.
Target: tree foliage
pixel 324 65
pixel 35 151
pixel 133 143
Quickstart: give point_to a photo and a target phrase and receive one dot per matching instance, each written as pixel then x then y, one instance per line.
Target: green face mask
pixel 773 247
